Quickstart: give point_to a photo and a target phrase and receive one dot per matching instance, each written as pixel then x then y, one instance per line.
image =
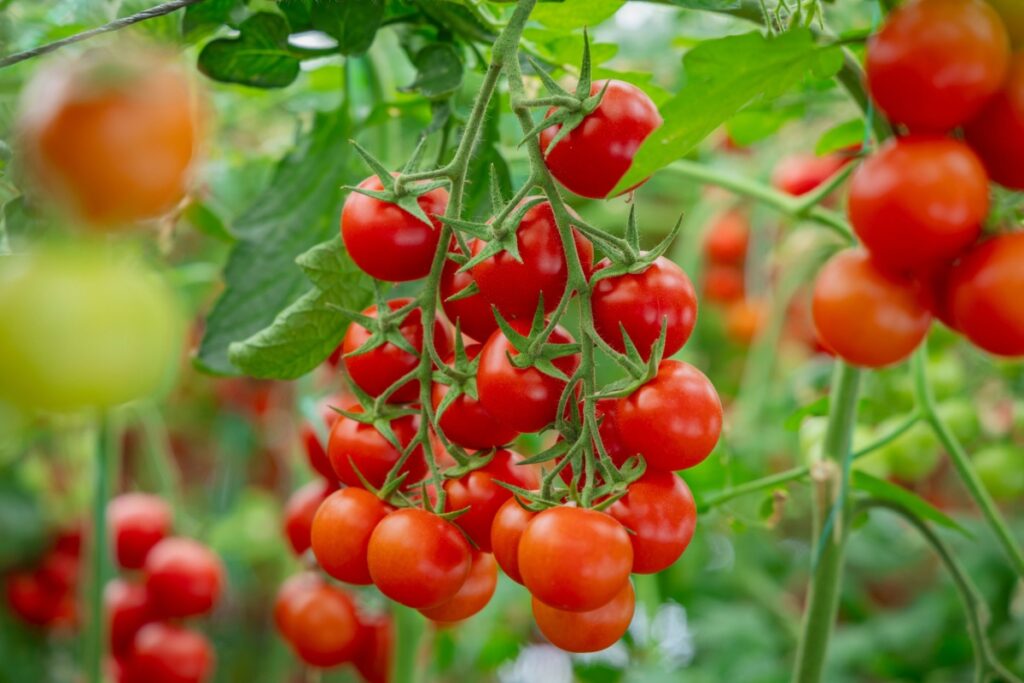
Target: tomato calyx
pixel 401 193
pixel 533 349
pixel 500 235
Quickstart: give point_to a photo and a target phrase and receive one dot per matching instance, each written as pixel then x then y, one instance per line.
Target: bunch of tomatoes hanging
pixel 943 72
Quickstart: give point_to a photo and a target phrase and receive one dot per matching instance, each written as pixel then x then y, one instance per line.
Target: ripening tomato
pixel 417 558
pixel 723 284
pixel 480 493
pixel 918 201
pixel 997 133
pixel 728 238
pixel 674 420
pixel 465 421
pixel 373 660
pixel 111 140
pixel 289 596
pixel 516 286
pixel 137 521
pixel 935 63
pixel 385 240
pixel 594 156
pixel 183 578
pixel 316 451
pixel 376 370
pixel 167 653
pixel 588 631
pixel 799 174
pixel 638 304
pixel 506 532
pixel 986 295
pixel 33 599
pixel 127 607
pixel 474 595
pixel 744 320
pixel 866 316
pixel 357 447
pixel 575 559
pixel 323 626
pixel 524 399
pixel 300 510
pixel 341 533
pixel 472 313
pixel 660 512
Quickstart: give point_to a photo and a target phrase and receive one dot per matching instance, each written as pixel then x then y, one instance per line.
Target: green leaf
pixel 206 17
pixel 299 209
pixel 258 57
pixel 298 13
pixel 353 23
pixel 724 76
pixel 574 14
pixel 202 218
pixel 711 5
pixel 754 124
pixel 880 488
pixel 848 134
pixel 816 408
pixel 306 332
pixel 438 71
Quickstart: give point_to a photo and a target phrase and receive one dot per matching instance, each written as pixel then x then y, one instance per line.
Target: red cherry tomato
pixel 723 284
pixel 289 596
pixel 183 578
pixel 127 608
pixel 589 631
pixel 472 313
pixel 167 653
pixel 523 399
pixel 516 286
pixel 918 201
pixel 660 511
pixel 300 510
pixel 479 492
pixel 935 63
pixel 385 240
pixel 316 452
pixel 418 559
pixel 324 627
pixel 728 239
pixel 33 599
pixel 466 422
pixel 373 660
pixel 575 559
pixel 379 368
pixel 997 133
pixel 986 295
pixel 594 156
pixel 474 595
pixel 674 420
pixel 798 174
pixel 744 320
pixel 866 316
pixel 341 533
pixel 59 566
pixel 138 521
pixel 355 446
pixel 640 303
pixel 506 532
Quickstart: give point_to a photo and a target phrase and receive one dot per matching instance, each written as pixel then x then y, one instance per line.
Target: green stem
pixel 99 554
pixel 409 629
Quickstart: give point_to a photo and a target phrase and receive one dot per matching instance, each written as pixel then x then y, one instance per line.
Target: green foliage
pixel 259 56
pixel 438 71
pixel 353 23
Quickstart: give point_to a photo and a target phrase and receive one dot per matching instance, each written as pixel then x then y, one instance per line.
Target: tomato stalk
pixel 105 464
pixel 410 626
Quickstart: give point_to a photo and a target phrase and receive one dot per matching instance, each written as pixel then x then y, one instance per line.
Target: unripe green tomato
pixel 914 455
pixel 1001 469
pixel 961 416
pixel 84 326
pixel 947 375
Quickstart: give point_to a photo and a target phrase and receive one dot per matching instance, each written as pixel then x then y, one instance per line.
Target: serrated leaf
pixel 439 71
pixel 353 23
pixel 880 488
pixel 843 136
pixel 574 14
pixel 258 57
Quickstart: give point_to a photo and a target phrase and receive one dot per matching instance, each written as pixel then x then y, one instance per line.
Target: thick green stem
pixel 99 553
pixel 409 629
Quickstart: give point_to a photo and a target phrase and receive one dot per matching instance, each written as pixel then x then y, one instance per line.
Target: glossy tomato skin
pixel 479 492
pixel 354 446
pixel 323 626
pixel 985 295
pixel 167 653
pixel 588 631
pixel 465 421
pixel 918 201
pixel 674 420
pixel 515 287
pixel 474 595
pixel 575 559
pixel 866 316
pixel 997 133
pixel 341 533
pixel 592 159
pixel 506 533
pixel 373 660
pixel 472 313
pixel 138 521
pixel 934 63
pixel 127 608
pixel 418 559
pixel 643 302
pixel 799 174
pixel 183 578
pixel 316 450
pixel 525 400
pixel 723 284
pixel 728 238
pixel 300 510
pixel 379 368
pixel 660 511
pixel 386 241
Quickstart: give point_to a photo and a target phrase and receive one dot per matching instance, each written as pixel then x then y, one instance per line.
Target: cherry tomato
pixel 376 370
pixel 183 578
pixel 466 422
pixel 417 558
pixel 728 239
pixel 138 521
pixel 289 596
pixel 479 492
pixel 474 595
pixel 524 399
pixel 299 511
pixel 660 511
pixel 910 219
pixel 516 286
pixel 744 320
pixel 723 284
pixel 324 627
pixel 387 241
pixel 341 533
pixel 472 313
pixel 506 532
pixel 674 420
pixel 574 559
pixel 594 156
pixel 167 653
pixel 316 452
pixel 934 63
pixel 588 631
pixel 799 174
pixel 985 295
pixel 357 447
pixel 33 599
pixel 59 566
pixel 373 660
pixel 127 608
pixel 997 133
pixel 1001 468
pixel 866 316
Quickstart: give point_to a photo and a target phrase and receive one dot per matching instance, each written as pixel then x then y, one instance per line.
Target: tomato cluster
pixel 726 244
pixel 44 596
